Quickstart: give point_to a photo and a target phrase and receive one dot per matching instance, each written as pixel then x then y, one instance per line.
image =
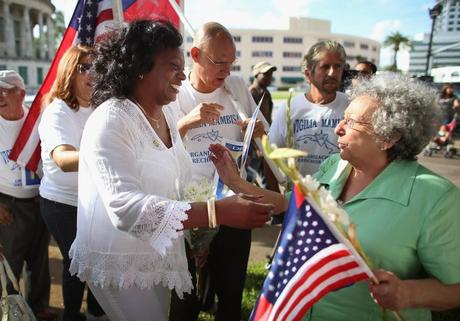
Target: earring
pixel 141 77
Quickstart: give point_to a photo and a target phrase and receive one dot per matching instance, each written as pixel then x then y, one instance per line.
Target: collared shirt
pixel 407 222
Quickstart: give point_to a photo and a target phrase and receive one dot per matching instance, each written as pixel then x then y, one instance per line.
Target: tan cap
pixel 10 79
pixel 262 67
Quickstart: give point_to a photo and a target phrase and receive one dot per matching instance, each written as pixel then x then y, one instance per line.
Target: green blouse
pixel 408 222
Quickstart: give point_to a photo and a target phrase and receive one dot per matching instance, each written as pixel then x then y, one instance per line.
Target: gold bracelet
pixel 211 204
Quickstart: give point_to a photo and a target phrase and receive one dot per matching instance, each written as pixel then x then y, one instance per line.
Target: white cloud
pixel 382 28
pixel 418 36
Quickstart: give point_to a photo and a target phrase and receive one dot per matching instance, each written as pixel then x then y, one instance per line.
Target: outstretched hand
pixel 243 211
pixel 224 163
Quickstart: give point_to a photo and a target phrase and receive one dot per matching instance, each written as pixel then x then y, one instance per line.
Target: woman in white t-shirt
pixel 66 110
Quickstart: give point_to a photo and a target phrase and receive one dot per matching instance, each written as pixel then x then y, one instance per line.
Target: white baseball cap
pixel 10 79
pixel 262 67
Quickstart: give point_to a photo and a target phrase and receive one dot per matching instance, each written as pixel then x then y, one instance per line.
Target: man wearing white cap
pixel 23 233
pixel 263 75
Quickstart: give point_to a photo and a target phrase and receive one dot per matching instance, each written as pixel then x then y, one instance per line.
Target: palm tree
pixel 397 41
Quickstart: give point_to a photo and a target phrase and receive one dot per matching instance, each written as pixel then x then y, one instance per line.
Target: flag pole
pixel 117 10
pixel 182 18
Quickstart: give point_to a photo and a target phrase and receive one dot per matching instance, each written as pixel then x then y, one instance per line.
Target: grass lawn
pixel 255 278
pixel 276 95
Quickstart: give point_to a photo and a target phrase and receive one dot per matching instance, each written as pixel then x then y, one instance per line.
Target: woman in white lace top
pixel 133 168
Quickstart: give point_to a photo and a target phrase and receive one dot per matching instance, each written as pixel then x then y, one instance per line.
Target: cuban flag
pixel 91 18
pixel 310 262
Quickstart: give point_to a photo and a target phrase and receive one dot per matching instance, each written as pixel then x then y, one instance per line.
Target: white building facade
pixel 19 50
pixel 286 48
pixel 446 33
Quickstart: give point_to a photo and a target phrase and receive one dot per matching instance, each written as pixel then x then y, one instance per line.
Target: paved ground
pixel 264 238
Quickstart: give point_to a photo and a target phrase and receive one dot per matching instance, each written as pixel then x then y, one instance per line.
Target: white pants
pixel 133 304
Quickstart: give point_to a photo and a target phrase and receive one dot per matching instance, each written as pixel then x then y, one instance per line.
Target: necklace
pixel 156 121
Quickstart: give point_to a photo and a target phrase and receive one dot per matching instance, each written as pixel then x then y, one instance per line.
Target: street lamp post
pixel 434 13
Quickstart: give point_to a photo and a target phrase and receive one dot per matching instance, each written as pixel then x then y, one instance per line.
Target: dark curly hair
pixel 127 53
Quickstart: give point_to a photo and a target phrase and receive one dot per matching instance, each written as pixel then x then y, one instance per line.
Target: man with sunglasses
pixel 23 233
pixel 205 107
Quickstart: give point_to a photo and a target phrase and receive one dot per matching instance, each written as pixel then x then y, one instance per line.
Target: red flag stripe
pixel 104 16
pixel 337 271
pixel 331 287
pixel 313 277
pixel 264 307
pixel 26 151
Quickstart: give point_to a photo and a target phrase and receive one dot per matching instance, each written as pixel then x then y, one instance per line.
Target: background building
pixel 285 48
pixel 27 42
pixel 446 33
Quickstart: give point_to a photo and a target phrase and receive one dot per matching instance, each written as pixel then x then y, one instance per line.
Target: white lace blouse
pixel 128 209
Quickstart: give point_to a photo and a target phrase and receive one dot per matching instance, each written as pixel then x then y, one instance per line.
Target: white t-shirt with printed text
pixel 197 140
pixel 60 125
pixel 15 180
pixel 313 129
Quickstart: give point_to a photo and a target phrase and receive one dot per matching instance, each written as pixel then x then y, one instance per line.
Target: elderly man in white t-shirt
pixel 205 108
pixel 23 233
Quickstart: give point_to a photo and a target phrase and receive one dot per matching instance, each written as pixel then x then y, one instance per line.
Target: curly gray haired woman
pixel 406 216
pixel 406 112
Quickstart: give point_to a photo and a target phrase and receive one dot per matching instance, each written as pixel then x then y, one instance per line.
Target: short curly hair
pixel 127 53
pixel 406 112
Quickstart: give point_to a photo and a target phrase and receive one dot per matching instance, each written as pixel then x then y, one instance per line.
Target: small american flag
pixel 89 20
pixel 310 262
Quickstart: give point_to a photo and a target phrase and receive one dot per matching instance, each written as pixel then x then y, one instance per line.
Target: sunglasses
pixel 83 68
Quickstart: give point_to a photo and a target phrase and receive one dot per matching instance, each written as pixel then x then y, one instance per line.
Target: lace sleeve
pixel 159 223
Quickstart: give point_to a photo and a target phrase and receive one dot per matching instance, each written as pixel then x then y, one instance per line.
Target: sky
pixel 374 19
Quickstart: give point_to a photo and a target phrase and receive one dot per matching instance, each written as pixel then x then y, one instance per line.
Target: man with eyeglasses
pixel 314 114
pixel 23 233
pixel 205 107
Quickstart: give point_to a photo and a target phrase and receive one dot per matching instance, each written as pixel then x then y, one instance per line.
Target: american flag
pixel 310 262
pixel 89 20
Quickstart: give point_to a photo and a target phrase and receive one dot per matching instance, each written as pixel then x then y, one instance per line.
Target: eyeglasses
pixel 6 92
pixel 351 123
pixel 83 68
pixel 220 64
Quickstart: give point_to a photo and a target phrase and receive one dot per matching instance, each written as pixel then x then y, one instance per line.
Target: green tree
pixel 397 41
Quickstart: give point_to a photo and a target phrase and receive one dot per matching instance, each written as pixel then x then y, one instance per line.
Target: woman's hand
pixel 391 292
pixel 259 129
pixel 394 293
pixel 243 211
pixel 225 164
